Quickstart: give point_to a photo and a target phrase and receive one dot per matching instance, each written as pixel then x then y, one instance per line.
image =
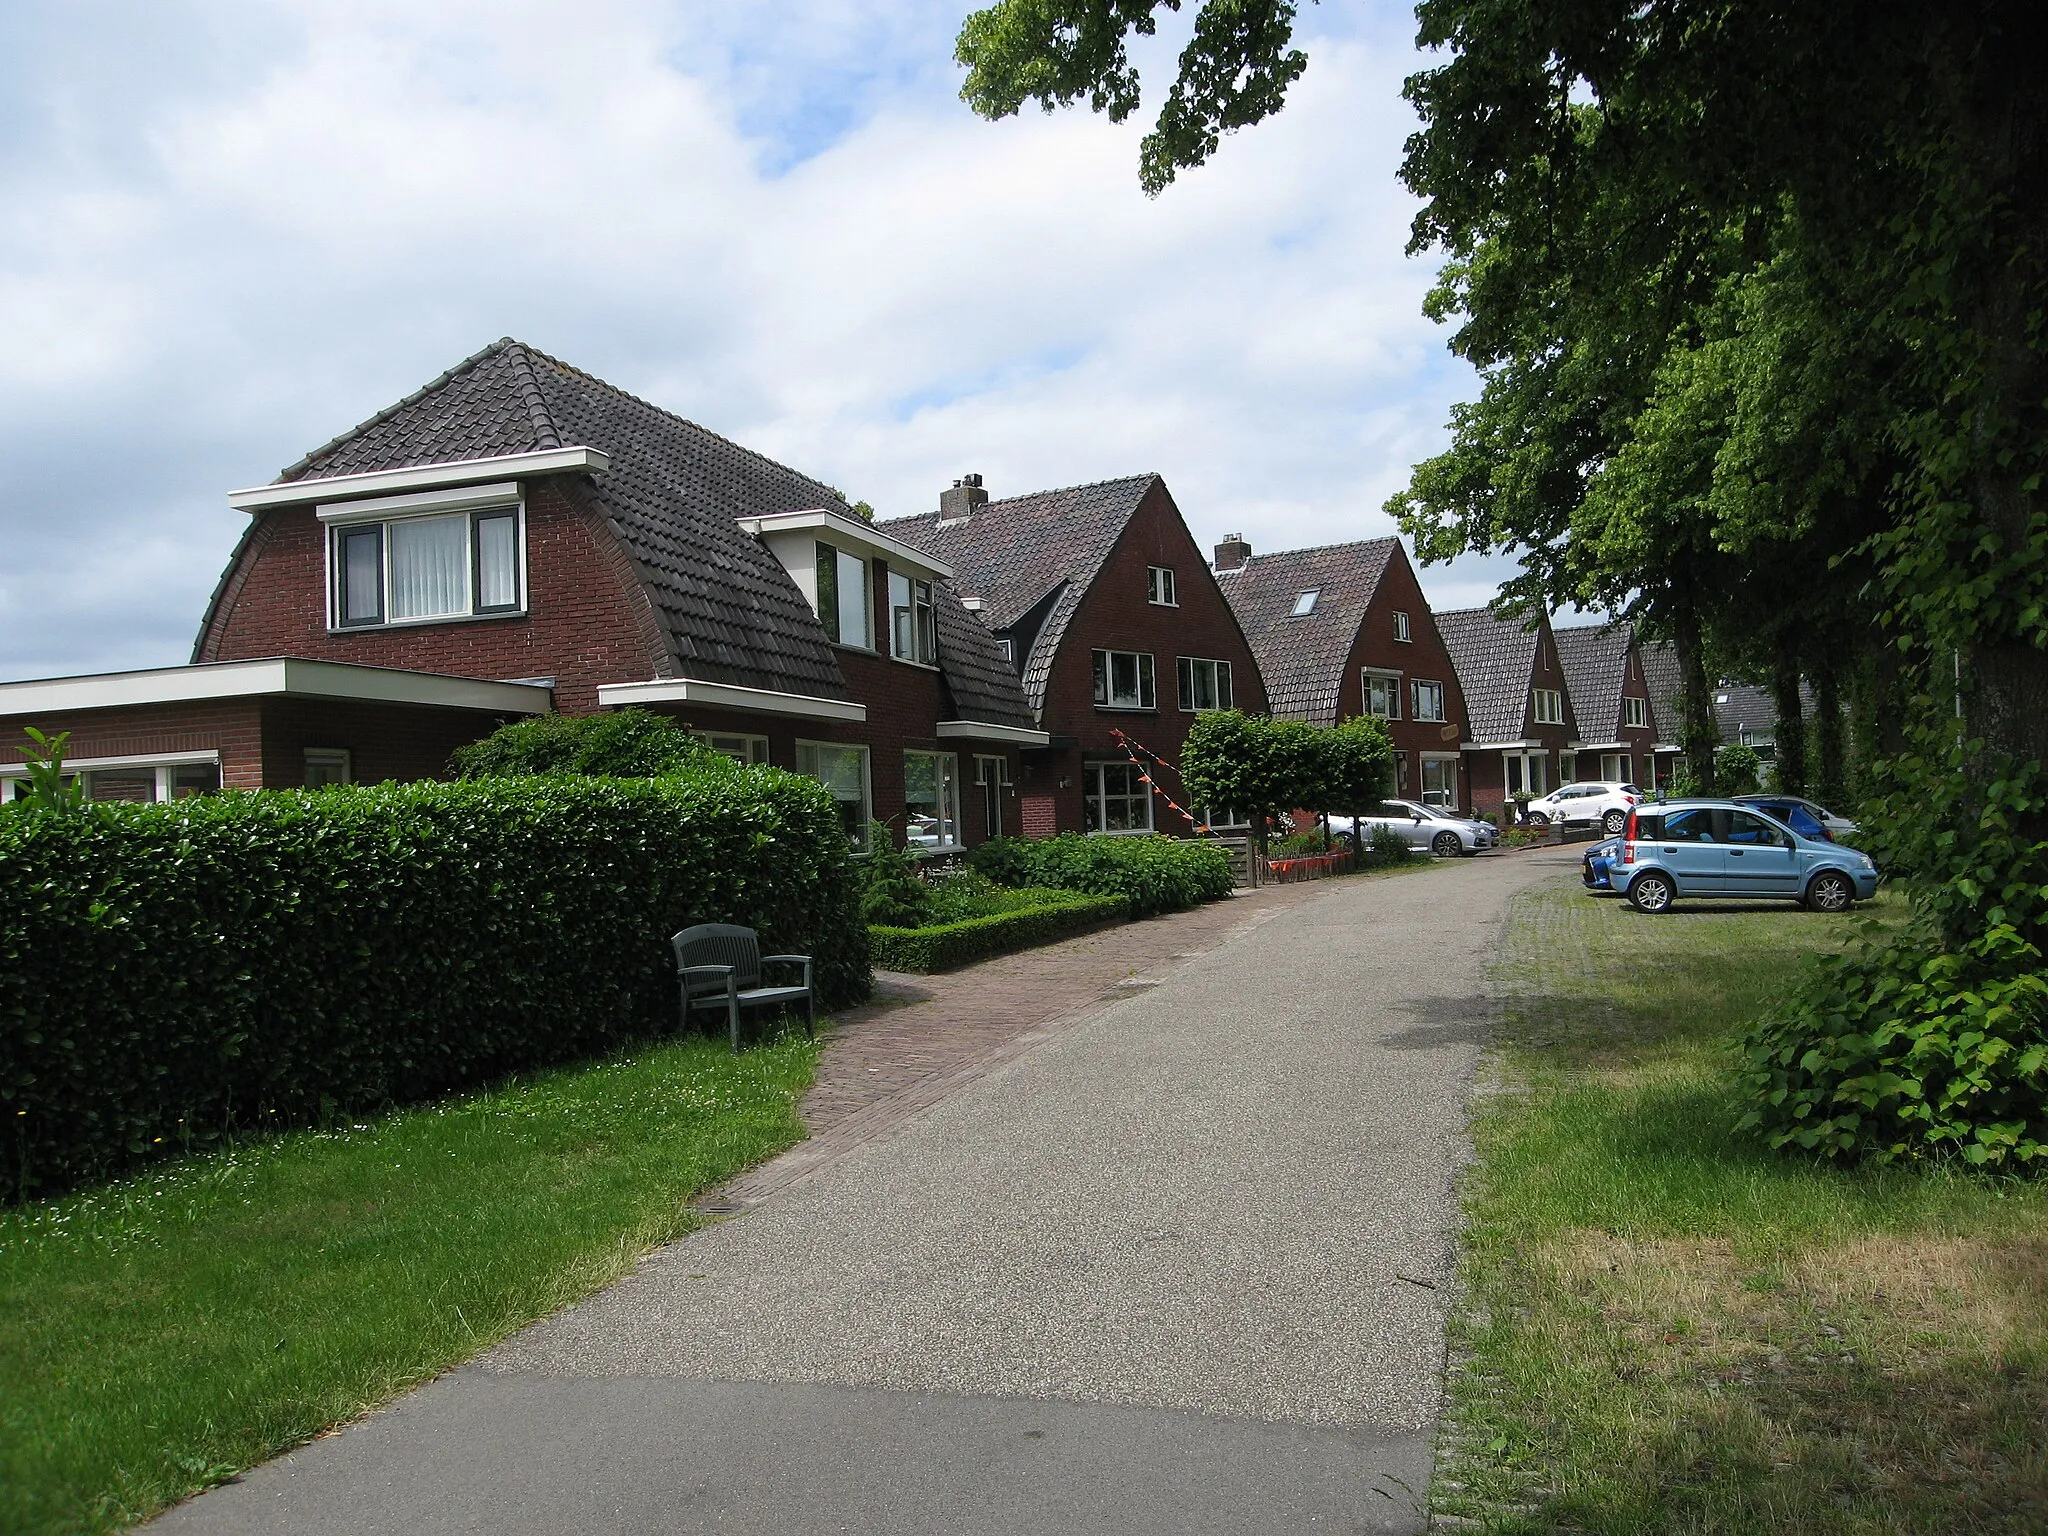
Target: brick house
pixel 1612 702
pixel 1344 630
pixel 1107 611
pixel 518 533
pixel 1520 712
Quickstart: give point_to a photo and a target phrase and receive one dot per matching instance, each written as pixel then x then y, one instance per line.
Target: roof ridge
pixel 440 381
pixel 1058 490
pixel 1317 549
pixel 545 433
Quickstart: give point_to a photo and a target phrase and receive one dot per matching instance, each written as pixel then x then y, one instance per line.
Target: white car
pixel 1596 803
pixel 1425 828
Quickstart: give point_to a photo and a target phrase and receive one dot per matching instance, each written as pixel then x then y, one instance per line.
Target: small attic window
pixel 1305 604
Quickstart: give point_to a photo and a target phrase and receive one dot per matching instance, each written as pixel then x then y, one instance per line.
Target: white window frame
pixel 344 522
pixel 1635 712
pixel 949 798
pixel 1390 682
pixel 1555 697
pixel 1146 672
pixel 913 624
pixel 1401 773
pixel 1521 763
pixel 1187 683
pixel 1619 762
pixel 1415 687
pixel 14 779
pixel 1095 798
pixel 1305 602
pixel 835 624
pixel 1449 760
pixel 867 780
pixel 1226 820
pixel 1159 587
pixel 1403 630
pixel 992 778
pixel 738 745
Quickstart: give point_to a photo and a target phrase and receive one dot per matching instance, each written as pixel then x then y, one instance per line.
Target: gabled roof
pixel 1013 554
pixel 1666 681
pixel 1302 659
pixel 983 686
pixel 1495 659
pixel 1594 658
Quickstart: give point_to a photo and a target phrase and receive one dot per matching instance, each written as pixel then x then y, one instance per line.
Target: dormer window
pixel 1401 631
pixel 1159 586
pixel 1305 604
pixel 913 630
pixel 416 570
pixel 843 603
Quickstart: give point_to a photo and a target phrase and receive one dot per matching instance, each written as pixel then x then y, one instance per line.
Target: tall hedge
pixel 1154 874
pixel 173 973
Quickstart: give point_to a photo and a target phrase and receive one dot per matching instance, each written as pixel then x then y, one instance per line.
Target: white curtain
pixel 430 567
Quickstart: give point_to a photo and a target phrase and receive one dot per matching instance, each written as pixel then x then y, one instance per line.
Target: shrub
pixel 624 743
pixel 1737 771
pixel 891 892
pixel 1052 915
pixel 1386 846
pixel 170 974
pixel 1155 874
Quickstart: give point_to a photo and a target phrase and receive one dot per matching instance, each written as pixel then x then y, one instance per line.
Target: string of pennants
pixel 1132 749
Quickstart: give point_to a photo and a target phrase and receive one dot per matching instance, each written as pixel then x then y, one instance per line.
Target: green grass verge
pixel 161 1334
pixel 1669 1328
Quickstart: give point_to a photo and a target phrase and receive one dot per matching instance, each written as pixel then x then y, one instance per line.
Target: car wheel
pixel 1651 892
pixel 1446 845
pixel 1540 822
pixel 1830 892
pixel 1613 822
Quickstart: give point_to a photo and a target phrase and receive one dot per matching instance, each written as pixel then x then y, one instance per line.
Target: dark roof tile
pixel 1495 659
pixel 1595 662
pixel 1302 659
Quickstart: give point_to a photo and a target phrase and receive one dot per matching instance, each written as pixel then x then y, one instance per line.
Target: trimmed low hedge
pixel 173 974
pixel 946 945
pixel 1154 874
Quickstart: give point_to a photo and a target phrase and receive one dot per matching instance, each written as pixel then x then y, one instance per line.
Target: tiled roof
pixel 1595 662
pixel 981 684
pixel 1666 682
pixel 729 609
pixel 1739 708
pixel 1013 554
pixel 1495 659
pixel 1302 659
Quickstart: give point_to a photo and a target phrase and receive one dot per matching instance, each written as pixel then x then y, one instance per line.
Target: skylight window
pixel 1305 604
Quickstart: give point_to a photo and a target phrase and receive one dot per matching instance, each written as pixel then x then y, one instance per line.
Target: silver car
pixel 1424 828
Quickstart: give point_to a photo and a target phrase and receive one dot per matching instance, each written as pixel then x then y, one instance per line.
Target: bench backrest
pixel 719 944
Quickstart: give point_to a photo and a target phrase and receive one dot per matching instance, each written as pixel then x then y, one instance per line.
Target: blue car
pixel 1719 848
pixel 1597 867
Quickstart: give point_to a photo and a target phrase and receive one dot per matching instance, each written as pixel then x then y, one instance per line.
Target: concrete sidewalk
pixel 1180 1266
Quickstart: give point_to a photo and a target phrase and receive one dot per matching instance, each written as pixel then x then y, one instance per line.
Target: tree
pixel 1255 765
pixel 1358 770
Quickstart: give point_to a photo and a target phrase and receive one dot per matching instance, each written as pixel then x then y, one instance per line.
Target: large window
pixel 1614 768
pixel 1440 782
pixel 1635 713
pixel 1204 684
pixel 1383 694
pixel 843 604
pixel 1429 701
pixel 1124 680
pixel 992 776
pixel 913 629
pixel 931 799
pixel 413 569
pixel 1528 772
pixel 126 779
pixel 843 771
pixel 1159 586
pixel 1549 706
pixel 1116 797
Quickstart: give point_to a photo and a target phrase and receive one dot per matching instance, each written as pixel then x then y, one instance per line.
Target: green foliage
pixel 171 975
pixel 622 743
pixel 1738 770
pixel 1386 846
pixel 1154 874
pixel 1266 767
pixel 48 789
pixel 1234 71
pixel 1050 915
pixel 891 892
pixel 1358 765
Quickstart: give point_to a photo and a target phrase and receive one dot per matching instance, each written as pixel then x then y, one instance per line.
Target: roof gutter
pixel 750 701
pixel 420 477
pixel 982 730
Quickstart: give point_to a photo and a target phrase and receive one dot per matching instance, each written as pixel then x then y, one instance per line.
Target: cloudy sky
pixel 231 229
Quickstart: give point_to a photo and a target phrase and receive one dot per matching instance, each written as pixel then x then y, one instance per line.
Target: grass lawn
pixel 1670 1329
pixel 161 1334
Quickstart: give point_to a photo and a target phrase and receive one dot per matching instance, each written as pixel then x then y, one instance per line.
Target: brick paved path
pixel 924 1036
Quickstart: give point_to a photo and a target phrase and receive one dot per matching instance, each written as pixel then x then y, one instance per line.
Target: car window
pixel 1649 827
pixel 1689 827
pixel 1804 822
pixel 1753 831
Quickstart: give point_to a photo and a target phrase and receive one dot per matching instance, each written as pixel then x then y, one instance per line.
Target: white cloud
pixel 774 218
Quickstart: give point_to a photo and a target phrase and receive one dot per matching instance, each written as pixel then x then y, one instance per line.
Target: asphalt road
pixel 1184 1268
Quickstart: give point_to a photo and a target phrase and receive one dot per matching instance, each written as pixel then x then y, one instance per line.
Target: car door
pixel 1412 823
pixel 1759 859
pixel 1690 851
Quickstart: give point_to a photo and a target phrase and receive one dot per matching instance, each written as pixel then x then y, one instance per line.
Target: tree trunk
pixel 1791 726
pixel 1700 738
pixel 1829 782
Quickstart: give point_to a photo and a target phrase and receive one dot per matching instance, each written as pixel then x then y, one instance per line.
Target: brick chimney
pixel 1232 553
pixel 962 499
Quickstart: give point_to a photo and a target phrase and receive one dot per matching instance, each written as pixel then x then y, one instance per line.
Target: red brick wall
pixel 231 728
pixel 1422 656
pixel 1116 615
pixel 588 620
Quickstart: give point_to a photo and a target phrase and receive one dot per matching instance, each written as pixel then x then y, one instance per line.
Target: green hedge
pixel 172 974
pixel 946 945
pixel 1154 874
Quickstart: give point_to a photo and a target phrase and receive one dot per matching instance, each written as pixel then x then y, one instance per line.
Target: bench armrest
pixel 802 960
pixel 704 970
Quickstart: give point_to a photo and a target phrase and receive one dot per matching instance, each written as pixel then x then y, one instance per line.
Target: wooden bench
pixel 718 965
